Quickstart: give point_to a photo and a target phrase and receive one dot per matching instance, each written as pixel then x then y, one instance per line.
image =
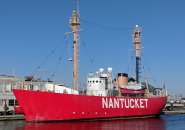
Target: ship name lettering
pixel 131 103
pixel 136 103
pixel 124 103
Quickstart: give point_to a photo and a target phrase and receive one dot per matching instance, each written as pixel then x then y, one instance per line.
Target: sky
pixel 30 30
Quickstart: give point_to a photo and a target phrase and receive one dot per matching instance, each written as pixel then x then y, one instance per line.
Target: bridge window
pixel 11 102
pixel 1 102
pixel 16 103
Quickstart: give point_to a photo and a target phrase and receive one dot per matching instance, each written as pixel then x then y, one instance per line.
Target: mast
pixel 136 37
pixel 75 25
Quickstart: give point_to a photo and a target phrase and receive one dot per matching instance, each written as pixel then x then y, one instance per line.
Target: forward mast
pixel 75 25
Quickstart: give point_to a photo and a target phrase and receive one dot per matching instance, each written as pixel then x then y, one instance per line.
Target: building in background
pixel 7 98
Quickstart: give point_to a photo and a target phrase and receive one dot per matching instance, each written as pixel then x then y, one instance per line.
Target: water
pixel 165 122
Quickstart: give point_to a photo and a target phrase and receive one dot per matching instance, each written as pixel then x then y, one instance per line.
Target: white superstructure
pixel 99 83
pixel 60 88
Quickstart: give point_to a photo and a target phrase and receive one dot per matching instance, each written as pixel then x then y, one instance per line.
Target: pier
pixel 176 105
pixel 11 117
pixel 174 112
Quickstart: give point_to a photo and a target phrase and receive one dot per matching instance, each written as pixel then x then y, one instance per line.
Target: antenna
pixel 77 8
pixel 13 72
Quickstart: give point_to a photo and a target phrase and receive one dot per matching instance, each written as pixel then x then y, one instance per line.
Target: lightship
pixel 106 98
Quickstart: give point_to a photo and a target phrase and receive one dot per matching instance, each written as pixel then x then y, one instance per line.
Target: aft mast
pixel 136 37
pixel 75 25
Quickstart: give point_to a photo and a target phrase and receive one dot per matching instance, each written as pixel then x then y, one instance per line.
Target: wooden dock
pixel 175 105
pixel 174 112
pixel 11 117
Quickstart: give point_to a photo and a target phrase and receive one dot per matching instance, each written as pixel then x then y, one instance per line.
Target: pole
pixel 75 24
pixel 136 36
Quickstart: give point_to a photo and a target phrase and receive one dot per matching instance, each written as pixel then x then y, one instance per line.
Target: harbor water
pixel 164 122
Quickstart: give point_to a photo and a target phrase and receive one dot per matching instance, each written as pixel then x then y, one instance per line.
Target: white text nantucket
pixel 124 103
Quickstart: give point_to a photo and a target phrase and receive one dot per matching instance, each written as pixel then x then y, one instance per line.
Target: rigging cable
pixel 150 71
pixel 105 27
pixel 83 43
pixel 60 58
pixel 45 60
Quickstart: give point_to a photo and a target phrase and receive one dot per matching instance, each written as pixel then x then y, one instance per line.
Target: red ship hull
pixel 49 106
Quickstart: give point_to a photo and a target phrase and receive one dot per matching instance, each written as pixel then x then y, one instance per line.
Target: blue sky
pixel 31 29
